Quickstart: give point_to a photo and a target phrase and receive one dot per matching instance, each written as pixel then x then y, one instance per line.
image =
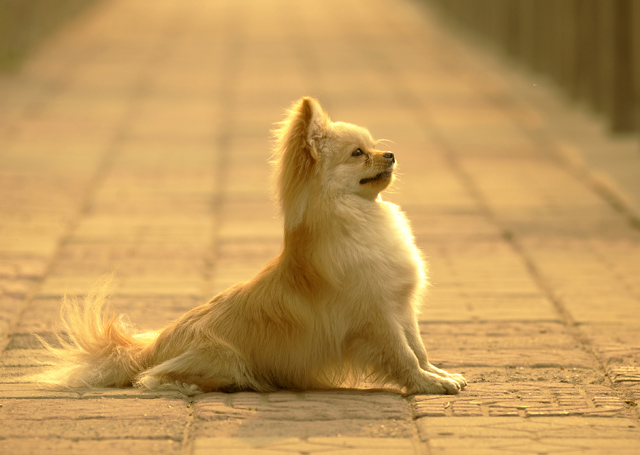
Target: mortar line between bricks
pixel 187 442
pixel 420 447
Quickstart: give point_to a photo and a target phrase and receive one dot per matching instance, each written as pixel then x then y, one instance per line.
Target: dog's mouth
pixel 384 175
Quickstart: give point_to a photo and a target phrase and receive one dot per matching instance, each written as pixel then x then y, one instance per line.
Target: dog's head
pixel 318 160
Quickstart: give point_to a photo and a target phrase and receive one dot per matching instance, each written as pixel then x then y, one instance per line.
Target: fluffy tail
pixel 98 349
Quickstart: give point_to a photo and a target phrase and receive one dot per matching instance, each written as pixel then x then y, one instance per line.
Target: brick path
pixel 138 141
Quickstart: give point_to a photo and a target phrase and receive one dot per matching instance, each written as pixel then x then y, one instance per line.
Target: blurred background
pixel 25 24
pixel 588 48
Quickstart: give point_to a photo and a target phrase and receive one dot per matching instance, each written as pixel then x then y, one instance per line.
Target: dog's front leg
pixel 412 332
pixel 387 351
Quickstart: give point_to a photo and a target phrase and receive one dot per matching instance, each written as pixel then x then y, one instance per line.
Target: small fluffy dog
pixel 339 303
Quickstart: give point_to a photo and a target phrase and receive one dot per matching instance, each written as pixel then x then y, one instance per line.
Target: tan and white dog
pixel 337 305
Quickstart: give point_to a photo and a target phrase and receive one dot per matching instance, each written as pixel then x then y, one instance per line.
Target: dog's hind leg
pixel 215 367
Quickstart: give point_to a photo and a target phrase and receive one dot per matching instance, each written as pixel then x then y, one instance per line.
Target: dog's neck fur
pixel 330 224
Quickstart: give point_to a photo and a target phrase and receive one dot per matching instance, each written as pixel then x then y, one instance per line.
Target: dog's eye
pixel 357 152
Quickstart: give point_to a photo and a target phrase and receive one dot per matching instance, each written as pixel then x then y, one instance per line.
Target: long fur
pixel 338 304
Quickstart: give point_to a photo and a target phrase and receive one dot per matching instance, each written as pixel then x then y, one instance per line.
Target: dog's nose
pixel 389 156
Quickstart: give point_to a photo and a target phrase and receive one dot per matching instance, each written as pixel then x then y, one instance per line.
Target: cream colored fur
pixel 339 303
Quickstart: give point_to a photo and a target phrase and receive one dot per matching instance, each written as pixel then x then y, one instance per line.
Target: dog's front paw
pixel 450 386
pixel 459 379
pixel 431 384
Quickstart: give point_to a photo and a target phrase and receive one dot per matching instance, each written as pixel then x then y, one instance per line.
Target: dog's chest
pixel 381 252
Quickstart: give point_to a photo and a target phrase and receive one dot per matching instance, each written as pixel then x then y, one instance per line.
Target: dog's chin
pixel 383 177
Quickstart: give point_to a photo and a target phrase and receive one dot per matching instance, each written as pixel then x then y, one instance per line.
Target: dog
pixel 339 303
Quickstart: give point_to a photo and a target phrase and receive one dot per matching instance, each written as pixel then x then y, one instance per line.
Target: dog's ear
pixel 305 125
pixel 296 154
pixel 318 122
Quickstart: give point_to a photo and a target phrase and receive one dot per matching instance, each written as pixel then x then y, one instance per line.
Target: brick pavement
pixel 137 142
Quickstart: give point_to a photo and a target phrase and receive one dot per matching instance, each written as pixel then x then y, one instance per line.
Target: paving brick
pixel 541 375
pixel 542 434
pixel 338 446
pixel 35 446
pixel 243 428
pixel 337 413
pixel 100 418
pixel 525 400
pixel 27 390
pixel 99 408
pixel 307 406
pixel 514 446
pixel 515 344
pixel 25 267
pixel 96 429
